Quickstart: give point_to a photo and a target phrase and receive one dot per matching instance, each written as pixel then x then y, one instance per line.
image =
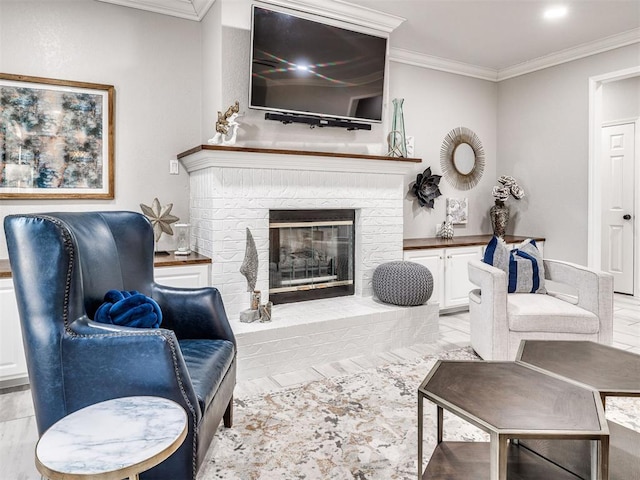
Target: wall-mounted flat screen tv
pixel 308 67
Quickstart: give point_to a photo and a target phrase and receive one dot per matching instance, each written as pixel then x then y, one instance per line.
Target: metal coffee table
pixel 510 401
pixel 612 372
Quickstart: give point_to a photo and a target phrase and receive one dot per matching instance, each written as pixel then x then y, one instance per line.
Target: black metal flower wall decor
pixel 425 188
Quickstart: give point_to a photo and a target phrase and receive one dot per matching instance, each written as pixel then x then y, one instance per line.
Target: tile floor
pixel 17 424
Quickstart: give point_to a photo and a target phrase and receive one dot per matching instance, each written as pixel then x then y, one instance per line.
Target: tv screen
pixel 308 67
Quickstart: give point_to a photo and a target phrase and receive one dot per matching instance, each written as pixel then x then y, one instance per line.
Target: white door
pixel 618 178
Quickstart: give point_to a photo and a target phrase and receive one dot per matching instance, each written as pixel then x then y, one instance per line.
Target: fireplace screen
pixel 311 254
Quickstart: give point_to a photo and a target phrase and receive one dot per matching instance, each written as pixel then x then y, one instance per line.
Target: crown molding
pixel 345 12
pixel 451 66
pixel 189 9
pixel 409 57
pixel 586 49
pixel 336 9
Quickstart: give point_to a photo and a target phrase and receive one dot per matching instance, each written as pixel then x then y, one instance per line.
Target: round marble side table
pixel 111 440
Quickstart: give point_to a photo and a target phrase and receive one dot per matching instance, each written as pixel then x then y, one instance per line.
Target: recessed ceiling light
pixel 553 13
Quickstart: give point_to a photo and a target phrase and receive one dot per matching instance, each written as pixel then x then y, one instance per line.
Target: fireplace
pixel 311 254
pixel 234 188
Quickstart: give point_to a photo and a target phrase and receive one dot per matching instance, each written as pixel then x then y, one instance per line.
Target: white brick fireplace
pixel 234 188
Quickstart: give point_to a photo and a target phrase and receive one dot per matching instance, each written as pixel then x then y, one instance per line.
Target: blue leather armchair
pixel 63 264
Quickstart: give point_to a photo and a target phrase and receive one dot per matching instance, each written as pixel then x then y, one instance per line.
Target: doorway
pixel 612 243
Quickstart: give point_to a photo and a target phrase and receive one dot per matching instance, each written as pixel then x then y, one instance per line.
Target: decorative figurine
pixel 249 267
pixel 226 126
pixel 446 230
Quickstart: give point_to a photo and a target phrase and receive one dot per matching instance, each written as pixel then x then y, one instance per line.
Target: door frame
pixel 594 226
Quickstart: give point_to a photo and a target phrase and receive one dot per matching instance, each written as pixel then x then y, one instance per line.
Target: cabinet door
pixel 188 276
pixel 433 259
pixel 12 361
pixel 457 284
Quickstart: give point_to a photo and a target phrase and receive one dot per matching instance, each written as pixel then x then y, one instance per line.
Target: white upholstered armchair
pixel 500 320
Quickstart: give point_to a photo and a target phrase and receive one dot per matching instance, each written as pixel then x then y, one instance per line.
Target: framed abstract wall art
pixel 56 139
pixel 458 210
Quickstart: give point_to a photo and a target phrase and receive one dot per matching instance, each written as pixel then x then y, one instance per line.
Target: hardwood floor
pixel 17 424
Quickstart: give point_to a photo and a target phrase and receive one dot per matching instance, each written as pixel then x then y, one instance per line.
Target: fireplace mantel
pixel 204 156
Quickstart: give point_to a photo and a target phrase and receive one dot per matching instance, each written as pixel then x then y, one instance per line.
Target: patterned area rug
pixel 361 426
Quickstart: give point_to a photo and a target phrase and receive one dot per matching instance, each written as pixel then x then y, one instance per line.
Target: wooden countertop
pixel 462 241
pixel 161 260
pixel 172 260
pixel 5 270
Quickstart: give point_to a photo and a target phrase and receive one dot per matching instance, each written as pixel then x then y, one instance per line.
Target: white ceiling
pixel 497 34
pixel 491 39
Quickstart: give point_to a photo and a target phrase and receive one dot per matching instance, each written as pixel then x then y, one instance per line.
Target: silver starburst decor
pixel 462 180
pixel 160 218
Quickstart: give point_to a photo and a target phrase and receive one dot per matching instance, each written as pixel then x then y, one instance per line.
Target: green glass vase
pixel 397 139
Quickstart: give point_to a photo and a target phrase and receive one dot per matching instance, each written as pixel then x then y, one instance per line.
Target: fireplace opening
pixel 311 254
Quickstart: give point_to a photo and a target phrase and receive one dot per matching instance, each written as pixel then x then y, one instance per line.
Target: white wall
pixel 435 103
pixel 154 62
pixel 621 100
pixel 211 70
pixel 543 141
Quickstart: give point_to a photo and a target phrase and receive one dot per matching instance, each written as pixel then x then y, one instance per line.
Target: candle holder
pixel 256 300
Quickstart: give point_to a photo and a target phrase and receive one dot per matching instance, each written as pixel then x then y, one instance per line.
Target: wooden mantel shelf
pixel 207 156
pixel 279 151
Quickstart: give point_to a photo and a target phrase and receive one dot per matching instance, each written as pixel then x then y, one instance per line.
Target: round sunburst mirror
pixel 462 158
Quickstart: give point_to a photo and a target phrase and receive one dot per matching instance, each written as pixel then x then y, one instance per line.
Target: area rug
pixel 361 426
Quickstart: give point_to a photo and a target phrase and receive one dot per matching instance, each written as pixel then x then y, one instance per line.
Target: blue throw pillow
pixel 129 309
pixel 523 265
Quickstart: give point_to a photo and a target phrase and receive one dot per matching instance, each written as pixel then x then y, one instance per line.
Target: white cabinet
pixel 13 366
pixel 448 266
pixel 187 276
pixel 448 259
pixel 433 259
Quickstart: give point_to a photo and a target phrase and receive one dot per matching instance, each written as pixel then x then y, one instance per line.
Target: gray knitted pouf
pixel 403 283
